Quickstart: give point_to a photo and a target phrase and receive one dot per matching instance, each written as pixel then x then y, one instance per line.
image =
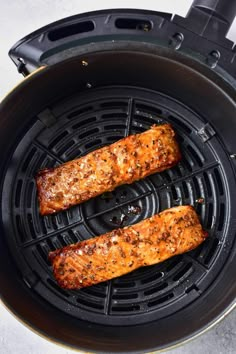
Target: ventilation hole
pixel 174 193
pixel 93 143
pixel 84 122
pixel 221 217
pixel 58 218
pixel 72 236
pixel 124 285
pixel 147 120
pixel 133 24
pixel 178 171
pixel 43 227
pixel 57 288
pixel 198 208
pixel 212 250
pixel 198 250
pixel 90 291
pixel 187 163
pixel 166 176
pixel 124 296
pixel 181 124
pixel 210 216
pixel 90 304
pixel 185 189
pixel 29 194
pixel 56 243
pixel 41 162
pixel 182 272
pixel 208 184
pixel 156 289
pixel 171 174
pixel 143 271
pixel 48 163
pixel 197 188
pixel 114 104
pixel 58 139
pixel 70 30
pixel 152 278
pixel 173 263
pixel 88 133
pixel 115 126
pixel 18 193
pixel 138 129
pixel 66 147
pixel 148 109
pixel 67 239
pixel 192 287
pixel 101 286
pixel 114 115
pixel 43 253
pixel 31 226
pixel 219 181
pixel 195 155
pixel 114 138
pixel 20 230
pixel 62 240
pixel 48 221
pixel 53 221
pixel 69 215
pixel 51 245
pixel 161 300
pixel 28 159
pixel 75 154
pixel 80 111
pixel 126 309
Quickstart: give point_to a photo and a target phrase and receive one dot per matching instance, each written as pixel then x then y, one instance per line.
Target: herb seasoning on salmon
pixel 102 170
pixel 172 232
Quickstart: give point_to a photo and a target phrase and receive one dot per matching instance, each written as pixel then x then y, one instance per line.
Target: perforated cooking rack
pixel 85 122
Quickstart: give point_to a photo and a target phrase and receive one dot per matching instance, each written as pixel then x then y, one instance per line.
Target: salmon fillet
pixel 102 170
pixel 173 231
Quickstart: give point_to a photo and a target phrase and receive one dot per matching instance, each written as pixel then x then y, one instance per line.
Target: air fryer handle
pixel 225 10
pixel 212 18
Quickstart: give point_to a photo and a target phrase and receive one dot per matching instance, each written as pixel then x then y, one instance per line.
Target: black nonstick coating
pixel 74 109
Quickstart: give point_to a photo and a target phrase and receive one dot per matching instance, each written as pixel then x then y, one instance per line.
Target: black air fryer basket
pixel 102 76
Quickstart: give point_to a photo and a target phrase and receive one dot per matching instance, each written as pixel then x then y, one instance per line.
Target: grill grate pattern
pixel 82 125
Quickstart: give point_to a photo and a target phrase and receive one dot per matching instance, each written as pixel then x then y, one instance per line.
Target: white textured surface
pixel 17 19
pixel 17 339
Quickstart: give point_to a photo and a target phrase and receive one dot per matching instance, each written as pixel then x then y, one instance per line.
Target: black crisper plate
pixel 83 123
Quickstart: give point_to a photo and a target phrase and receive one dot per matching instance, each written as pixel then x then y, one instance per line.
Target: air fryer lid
pixel 76 108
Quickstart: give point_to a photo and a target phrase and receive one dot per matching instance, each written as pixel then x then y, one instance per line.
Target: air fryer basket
pixel 76 106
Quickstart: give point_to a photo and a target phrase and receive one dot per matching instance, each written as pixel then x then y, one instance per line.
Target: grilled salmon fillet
pixel 102 170
pixel 173 231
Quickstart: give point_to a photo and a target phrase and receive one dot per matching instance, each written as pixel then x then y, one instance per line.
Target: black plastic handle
pixel 224 10
pixel 212 18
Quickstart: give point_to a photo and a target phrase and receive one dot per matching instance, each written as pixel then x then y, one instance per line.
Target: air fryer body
pixel 85 101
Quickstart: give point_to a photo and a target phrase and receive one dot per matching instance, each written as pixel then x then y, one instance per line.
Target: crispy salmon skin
pixel 102 170
pixel 172 232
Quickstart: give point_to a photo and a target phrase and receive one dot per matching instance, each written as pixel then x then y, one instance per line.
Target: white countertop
pixel 17 19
